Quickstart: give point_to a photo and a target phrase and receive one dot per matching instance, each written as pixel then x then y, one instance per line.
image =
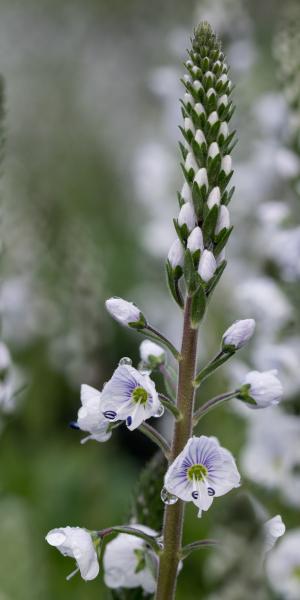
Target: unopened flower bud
pixel 190 163
pixel 195 240
pixel 199 108
pixel 152 353
pixel 214 197
pixel 187 216
pixel 197 85
pixel 210 92
pixel 207 265
pixel 201 178
pixel 226 164
pixel 261 390
pixel 124 312
pixel 213 117
pixel 176 255
pixel 224 131
pixel 223 79
pixel 199 137
pixel 189 125
pixel 187 78
pixel 196 70
pixel 213 150
pixel 223 100
pixel 223 221
pixel 186 193
pixel 188 99
pixel 238 334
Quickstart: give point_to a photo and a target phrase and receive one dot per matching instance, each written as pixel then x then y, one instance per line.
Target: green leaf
pixel 221 240
pixel 198 200
pixel 190 274
pixel 216 278
pixel 209 224
pixel 198 307
pixel 173 285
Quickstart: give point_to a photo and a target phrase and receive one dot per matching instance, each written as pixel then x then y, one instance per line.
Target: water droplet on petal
pixel 168 498
pixel 160 411
pixel 145 370
pixel 125 361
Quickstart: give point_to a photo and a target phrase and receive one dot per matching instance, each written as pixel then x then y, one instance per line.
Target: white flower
pixel 266 302
pixel 125 562
pixel 186 193
pixel 195 240
pixel 214 197
pixel 176 255
pixel 207 265
pixel 122 311
pixel 213 150
pixel 223 221
pixel 129 396
pixel 239 333
pixel 265 388
pixel 90 415
pixel 201 471
pixel 283 566
pixel 76 543
pixel 150 352
pixel 273 529
pixel 201 178
pixel 226 164
pixel 187 216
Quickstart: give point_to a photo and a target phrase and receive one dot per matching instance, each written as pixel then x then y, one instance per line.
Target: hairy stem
pixel 174 514
pixel 211 404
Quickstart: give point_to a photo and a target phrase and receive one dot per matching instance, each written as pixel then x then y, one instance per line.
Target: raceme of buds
pixel 238 334
pixel 125 312
pixel 207 165
pixel 261 390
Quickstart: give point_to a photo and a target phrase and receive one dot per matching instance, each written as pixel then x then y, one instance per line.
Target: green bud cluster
pixel 207 167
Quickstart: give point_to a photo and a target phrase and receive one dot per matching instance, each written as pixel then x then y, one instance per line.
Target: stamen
pixel 72 574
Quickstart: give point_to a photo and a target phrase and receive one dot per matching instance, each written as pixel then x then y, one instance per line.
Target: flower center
pixel 139 395
pixel 198 472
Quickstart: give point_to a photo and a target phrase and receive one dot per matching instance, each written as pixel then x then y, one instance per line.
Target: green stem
pixel 131 531
pixel 156 437
pixel 157 336
pixel 170 406
pixel 174 514
pixel 198 545
pixel 211 404
pixel 221 358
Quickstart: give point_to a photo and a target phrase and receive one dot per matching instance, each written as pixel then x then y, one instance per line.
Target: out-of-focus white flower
pixel 123 311
pixel 239 333
pixel 287 163
pixel 152 353
pixel 129 396
pixel 264 388
pixel 125 562
pixel 271 456
pixel 223 221
pixel 76 543
pixel 90 415
pixel 187 216
pixel 273 529
pixel 284 249
pixel 273 214
pixel 283 566
pixel 270 111
pixel 201 178
pixel 265 301
pixel 214 197
pixel 176 254
pixel 195 240
pixel 207 265
pixel 201 471
pixel 281 356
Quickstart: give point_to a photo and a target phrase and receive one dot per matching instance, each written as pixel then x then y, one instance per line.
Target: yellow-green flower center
pixel 198 472
pixel 139 395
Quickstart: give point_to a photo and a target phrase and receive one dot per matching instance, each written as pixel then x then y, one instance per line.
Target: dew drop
pixel 144 369
pixel 168 498
pixel 160 411
pixel 125 361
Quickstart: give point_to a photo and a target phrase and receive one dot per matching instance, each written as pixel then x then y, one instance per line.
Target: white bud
pixel 199 137
pixel 195 240
pixel 224 130
pixel 207 265
pixel 150 350
pixel 213 117
pixel 214 197
pixel 226 164
pixel 273 529
pixel 122 311
pixel 196 70
pixel 213 150
pixel 209 75
pixel 186 193
pixel 223 100
pixel 176 255
pixel 223 221
pixel 197 85
pixel 187 79
pixel 189 63
pixel 223 79
pixel 265 388
pixel 187 216
pixel 239 333
pixel 217 64
pixel 188 99
pixel 199 108
pixel 190 163
pixel 210 92
pixel 201 178
pixel 189 125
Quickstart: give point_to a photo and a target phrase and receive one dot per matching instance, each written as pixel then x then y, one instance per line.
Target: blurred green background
pixel 85 92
